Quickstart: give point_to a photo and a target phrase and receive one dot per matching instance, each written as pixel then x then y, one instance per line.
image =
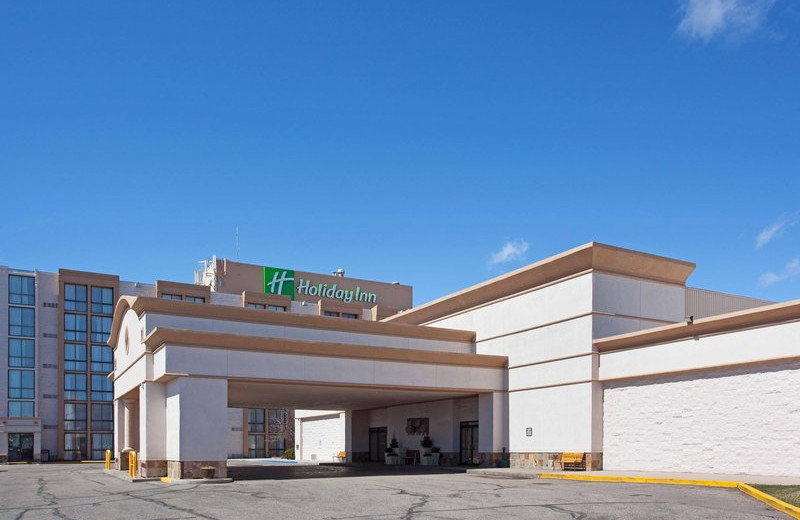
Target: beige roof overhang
pixel 161 336
pixel 750 318
pixel 591 256
pixel 141 305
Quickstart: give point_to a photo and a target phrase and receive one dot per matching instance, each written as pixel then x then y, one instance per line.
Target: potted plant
pixel 436 455
pixel 426 444
pixel 390 457
pixel 395 445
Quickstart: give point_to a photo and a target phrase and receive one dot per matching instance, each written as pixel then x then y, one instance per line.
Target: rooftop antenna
pixel 237 243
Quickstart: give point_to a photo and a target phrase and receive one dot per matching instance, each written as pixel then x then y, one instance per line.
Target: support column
pixel 152 429
pixel 196 427
pixel 356 435
pixel 122 429
pixel 492 426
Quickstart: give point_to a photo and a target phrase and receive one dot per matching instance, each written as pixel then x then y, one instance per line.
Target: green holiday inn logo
pixel 279 281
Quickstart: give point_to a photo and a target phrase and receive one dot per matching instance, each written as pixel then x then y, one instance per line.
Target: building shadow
pixel 294 472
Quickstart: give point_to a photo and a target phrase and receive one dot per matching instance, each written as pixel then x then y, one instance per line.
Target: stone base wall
pixel 153 468
pixel 3 459
pixel 194 469
pixel 544 460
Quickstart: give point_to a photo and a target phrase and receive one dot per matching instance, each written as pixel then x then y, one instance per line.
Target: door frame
pixel 473 452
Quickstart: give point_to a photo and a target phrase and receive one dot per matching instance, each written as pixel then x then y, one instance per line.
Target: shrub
pixel 289 454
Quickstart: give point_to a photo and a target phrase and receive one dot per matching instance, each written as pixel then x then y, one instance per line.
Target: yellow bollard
pixel 132 469
pixel 108 460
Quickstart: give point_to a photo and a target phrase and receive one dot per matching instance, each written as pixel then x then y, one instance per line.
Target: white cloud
pixel 730 19
pixel 791 269
pixel 511 250
pixel 775 230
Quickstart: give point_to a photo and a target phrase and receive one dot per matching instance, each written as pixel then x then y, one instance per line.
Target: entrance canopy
pixel 185 363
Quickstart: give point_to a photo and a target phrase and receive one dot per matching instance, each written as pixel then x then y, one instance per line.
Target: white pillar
pixel 493 422
pixel 153 429
pixel 196 426
pixel 127 432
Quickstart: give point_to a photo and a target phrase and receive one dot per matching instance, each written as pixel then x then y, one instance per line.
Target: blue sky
pixel 433 143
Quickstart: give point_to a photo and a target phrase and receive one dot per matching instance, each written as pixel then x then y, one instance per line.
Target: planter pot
pixel 208 471
pixel 391 459
pixel 426 451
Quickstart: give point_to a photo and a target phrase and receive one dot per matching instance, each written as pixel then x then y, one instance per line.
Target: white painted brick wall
pixel 323 438
pixel 743 420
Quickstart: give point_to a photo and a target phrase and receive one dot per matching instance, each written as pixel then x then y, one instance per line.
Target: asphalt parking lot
pixel 84 491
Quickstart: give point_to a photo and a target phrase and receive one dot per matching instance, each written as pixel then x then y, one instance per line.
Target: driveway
pixel 84 491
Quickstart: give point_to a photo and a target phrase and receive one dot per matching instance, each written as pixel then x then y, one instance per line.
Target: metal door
pixel 469 443
pixel 377 444
pixel 20 447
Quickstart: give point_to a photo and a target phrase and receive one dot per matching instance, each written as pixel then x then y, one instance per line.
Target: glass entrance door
pixel 377 444
pixel 20 447
pixel 469 443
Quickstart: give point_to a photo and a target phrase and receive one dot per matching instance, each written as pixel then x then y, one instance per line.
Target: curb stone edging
pixel 770 500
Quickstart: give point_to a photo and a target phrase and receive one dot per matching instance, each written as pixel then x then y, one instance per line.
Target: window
pixel 21 321
pixel 336 314
pixel 350 315
pixel 277 420
pixel 176 297
pixel 74 416
pixel 75 357
pixel 102 417
pixel 74 446
pixel 256 306
pixel 21 384
pixel 75 327
pixel 332 314
pixel 195 299
pixel 102 300
pixel 255 420
pixel 100 443
pixel 101 328
pixel 20 409
pixel 21 353
pixel 102 388
pixel 255 446
pixel 277 445
pixel 75 387
pixel 276 308
pixel 74 297
pixel 21 290
pixel 102 359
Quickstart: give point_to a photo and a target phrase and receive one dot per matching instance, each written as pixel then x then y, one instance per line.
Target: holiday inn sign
pixel 283 282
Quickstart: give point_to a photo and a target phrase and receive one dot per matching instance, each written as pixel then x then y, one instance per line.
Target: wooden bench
pixel 571 461
pixel 341 457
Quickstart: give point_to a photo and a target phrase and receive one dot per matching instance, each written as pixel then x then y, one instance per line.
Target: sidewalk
pixel 737 477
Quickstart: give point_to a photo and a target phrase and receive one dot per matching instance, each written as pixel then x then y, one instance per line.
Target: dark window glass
pixel 21 384
pixel 74 446
pixel 102 359
pixel 277 420
pixel 21 353
pixel 75 387
pixel 21 321
pixel 277 445
pixel 195 299
pixel 255 446
pixel 21 290
pixel 102 417
pixel 75 327
pixel 256 306
pixel 102 300
pixel 74 297
pixel 74 416
pixel 102 388
pixel 255 420
pixel 332 314
pixel 75 357
pixel 277 308
pixel 101 328
pixel 20 409
pixel 176 297
pixel 100 443
pixel 350 315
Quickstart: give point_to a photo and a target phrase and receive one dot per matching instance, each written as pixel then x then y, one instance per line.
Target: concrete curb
pixel 167 480
pixel 770 500
pixel 122 475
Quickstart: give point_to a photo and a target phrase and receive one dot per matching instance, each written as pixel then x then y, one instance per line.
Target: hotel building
pixel 599 350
